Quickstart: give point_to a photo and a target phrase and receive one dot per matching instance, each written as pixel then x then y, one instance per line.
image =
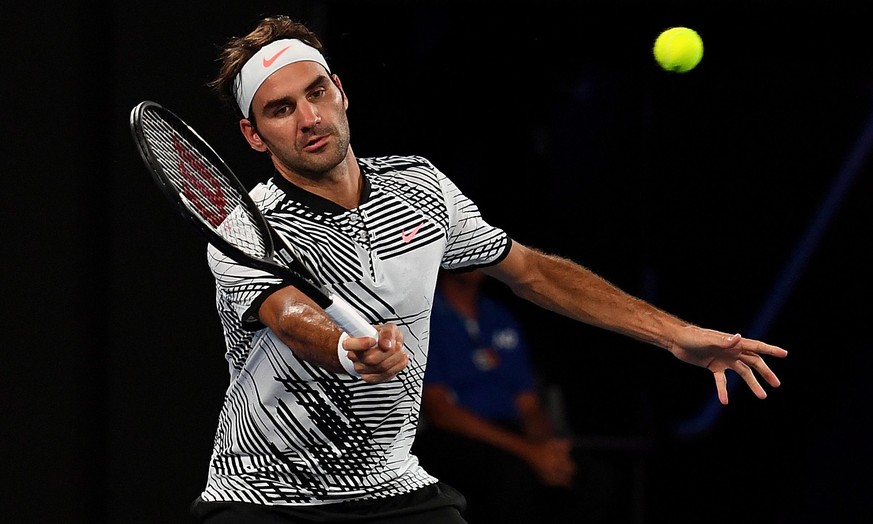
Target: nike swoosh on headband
pixel 269 61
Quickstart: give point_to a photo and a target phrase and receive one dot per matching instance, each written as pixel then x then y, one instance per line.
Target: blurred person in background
pixel 486 429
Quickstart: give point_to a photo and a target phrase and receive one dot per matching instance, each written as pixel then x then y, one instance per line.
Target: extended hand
pixel 718 352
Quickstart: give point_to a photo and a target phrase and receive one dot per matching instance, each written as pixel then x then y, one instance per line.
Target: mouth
pixel 316 143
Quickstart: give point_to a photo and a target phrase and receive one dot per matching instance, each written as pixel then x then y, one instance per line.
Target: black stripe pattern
pixel 292 433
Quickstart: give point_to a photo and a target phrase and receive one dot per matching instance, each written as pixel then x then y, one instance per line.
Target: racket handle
pixel 350 320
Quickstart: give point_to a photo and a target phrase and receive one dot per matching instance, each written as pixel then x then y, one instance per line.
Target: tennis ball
pixel 678 49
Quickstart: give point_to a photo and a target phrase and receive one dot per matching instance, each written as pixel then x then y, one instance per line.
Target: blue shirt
pixel 484 362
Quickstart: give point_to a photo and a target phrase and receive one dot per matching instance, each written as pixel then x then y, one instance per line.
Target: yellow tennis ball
pixel 678 49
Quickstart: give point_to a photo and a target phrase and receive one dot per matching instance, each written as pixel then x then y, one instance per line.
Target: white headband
pixel 265 62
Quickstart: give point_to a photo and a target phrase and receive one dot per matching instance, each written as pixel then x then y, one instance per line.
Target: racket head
pixel 207 194
pixel 200 184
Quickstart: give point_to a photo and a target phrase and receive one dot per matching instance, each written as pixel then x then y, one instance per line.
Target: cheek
pixel 278 134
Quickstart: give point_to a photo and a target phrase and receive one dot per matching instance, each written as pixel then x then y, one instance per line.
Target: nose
pixel 309 115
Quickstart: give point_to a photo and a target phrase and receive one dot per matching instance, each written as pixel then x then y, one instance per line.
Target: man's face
pixel 301 119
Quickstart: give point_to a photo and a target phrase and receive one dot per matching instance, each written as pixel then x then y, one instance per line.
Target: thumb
pixel 733 340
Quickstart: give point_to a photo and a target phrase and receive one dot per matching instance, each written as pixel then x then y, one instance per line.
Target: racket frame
pixel 298 275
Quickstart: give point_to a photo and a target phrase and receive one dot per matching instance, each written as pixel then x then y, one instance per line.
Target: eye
pixel 317 93
pixel 282 110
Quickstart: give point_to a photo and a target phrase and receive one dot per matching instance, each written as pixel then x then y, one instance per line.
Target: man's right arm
pixel 305 328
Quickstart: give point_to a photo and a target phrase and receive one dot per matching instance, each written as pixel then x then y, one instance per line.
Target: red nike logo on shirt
pixel 407 237
pixel 269 61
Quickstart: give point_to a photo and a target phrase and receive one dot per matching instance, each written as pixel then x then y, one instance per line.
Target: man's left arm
pixel 570 289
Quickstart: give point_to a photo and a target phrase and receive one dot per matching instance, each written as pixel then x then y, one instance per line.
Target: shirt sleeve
pixel 472 241
pixel 242 287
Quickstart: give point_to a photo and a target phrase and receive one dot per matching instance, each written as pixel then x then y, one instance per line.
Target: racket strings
pixel 204 188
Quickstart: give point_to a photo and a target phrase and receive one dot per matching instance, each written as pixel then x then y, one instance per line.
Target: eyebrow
pixel 318 81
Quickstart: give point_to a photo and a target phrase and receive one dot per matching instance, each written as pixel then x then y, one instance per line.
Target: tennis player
pixel 317 426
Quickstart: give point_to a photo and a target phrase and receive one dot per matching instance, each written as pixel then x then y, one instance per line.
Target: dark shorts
pixel 434 504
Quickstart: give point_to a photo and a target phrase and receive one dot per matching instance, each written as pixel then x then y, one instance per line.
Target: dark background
pixel 736 196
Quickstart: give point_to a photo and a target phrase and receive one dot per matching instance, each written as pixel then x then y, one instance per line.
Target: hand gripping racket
pixel 207 194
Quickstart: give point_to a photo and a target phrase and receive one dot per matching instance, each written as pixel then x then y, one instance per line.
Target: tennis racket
pixel 205 192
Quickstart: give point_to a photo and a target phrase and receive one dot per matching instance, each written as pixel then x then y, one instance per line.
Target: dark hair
pixel 238 50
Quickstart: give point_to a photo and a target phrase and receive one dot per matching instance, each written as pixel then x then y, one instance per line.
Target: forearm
pixel 536 422
pixel 303 327
pixel 472 426
pixel 576 292
pixel 443 413
pixel 567 288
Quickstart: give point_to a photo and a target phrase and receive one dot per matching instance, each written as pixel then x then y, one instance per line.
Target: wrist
pixel 343 356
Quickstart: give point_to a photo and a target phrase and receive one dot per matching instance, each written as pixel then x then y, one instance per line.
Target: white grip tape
pixel 350 320
pixel 344 359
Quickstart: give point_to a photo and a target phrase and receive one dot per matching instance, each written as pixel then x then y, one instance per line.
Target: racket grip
pixel 349 320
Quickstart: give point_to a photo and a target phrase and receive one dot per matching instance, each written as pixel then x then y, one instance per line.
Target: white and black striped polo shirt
pixel 292 433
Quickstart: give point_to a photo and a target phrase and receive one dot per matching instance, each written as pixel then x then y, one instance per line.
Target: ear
pixel 252 136
pixel 339 85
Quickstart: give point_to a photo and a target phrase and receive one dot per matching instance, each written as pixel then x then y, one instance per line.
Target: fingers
pixel 375 365
pixel 378 360
pixel 757 363
pixel 356 344
pixel 721 386
pixel 743 356
pixel 748 345
pixel 745 366
pixel 748 376
pixel 554 464
pixel 761 348
pixel 733 341
pixel 384 370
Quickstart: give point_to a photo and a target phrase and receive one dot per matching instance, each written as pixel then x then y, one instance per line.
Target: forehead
pixel 291 80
